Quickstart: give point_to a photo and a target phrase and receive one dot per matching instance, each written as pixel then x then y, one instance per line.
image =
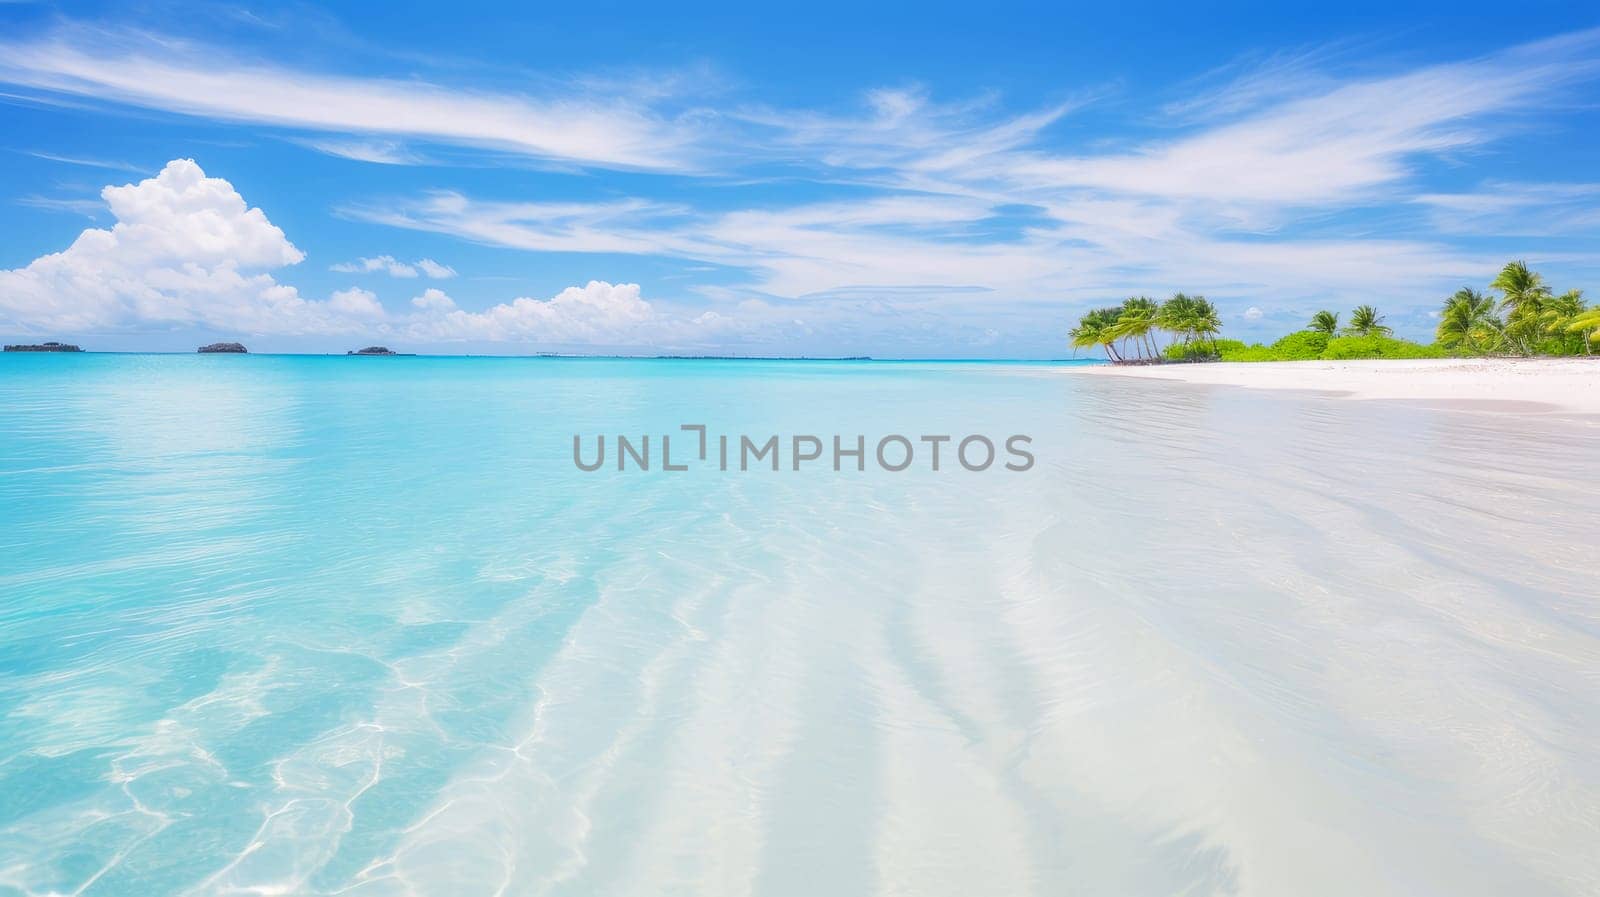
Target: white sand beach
pixel 1570 385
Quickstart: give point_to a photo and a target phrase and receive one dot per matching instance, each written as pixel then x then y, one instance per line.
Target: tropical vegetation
pixel 1129 332
pixel 1366 321
pixel 1324 322
pixel 1467 323
pixel 1521 315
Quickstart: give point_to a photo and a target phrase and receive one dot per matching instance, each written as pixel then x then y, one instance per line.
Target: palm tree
pixel 1135 320
pixel 1325 322
pixel 1177 317
pixel 1207 320
pixel 1468 322
pixel 1365 321
pixel 1523 295
pixel 1557 318
pixel 1587 325
pixel 1095 328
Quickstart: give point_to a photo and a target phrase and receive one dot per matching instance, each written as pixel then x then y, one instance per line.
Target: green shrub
pixel 1351 347
pixel 1302 346
pixel 1195 351
pixel 1253 352
pixel 1306 345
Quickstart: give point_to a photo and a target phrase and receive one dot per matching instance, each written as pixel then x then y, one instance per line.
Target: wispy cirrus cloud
pixel 1513 208
pixel 932 249
pixel 379 151
pixel 108 164
pixel 89 208
pixel 1210 206
pixel 388 264
pixel 901 134
pixel 1336 144
pixel 1249 83
pixel 633 226
pixel 188 78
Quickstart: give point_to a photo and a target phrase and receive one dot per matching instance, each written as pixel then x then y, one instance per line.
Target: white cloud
pixel 110 164
pixel 1212 209
pixel 628 226
pixel 1501 208
pixel 906 133
pixel 357 303
pixel 434 299
pixel 393 267
pixel 435 270
pixel 596 313
pixel 381 152
pixel 388 264
pixel 182 216
pixel 177 76
pixel 89 208
pixel 186 250
pixel 1333 145
pixel 933 249
pixel 1253 314
pixel 1250 83
pixel 957 210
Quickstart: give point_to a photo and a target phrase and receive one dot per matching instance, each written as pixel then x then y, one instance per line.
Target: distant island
pixel 223 348
pixel 378 350
pixel 44 347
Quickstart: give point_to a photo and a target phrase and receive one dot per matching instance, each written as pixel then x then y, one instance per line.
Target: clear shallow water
pixel 359 626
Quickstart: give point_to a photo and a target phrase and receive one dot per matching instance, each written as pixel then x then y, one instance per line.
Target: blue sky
pixel 896 181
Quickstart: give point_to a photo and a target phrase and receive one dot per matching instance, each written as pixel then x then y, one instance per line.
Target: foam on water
pixel 355 626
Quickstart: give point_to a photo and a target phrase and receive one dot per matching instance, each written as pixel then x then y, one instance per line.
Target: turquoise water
pixel 308 625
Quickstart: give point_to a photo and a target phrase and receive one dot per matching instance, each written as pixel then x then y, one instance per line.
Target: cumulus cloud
pixel 1253 314
pixel 598 312
pixel 357 303
pixel 186 250
pixel 595 314
pixel 433 299
pixel 393 267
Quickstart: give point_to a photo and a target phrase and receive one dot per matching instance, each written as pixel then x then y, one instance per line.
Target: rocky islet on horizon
pixel 223 349
pixel 43 347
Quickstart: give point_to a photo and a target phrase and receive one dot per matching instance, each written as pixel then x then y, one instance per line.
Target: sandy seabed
pixel 1570 385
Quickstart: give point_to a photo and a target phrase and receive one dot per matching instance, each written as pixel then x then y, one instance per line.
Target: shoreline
pixel 1529 385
